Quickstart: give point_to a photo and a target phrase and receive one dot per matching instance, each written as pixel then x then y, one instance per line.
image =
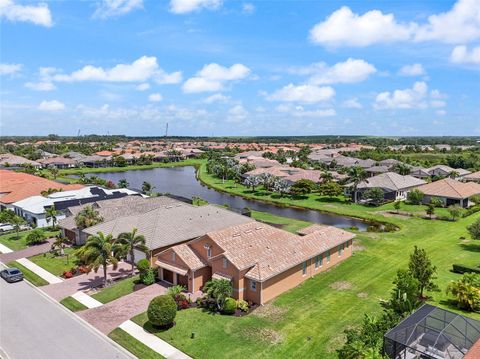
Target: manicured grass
pixel 55 264
pixel 135 347
pixel 15 244
pixel 287 224
pixel 72 304
pixel 28 274
pixel 119 289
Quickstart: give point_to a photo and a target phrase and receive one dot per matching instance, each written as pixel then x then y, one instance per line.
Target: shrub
pixel 174 290
pixel 415 196
pixel 148 277
pixel 143 265
pixel 229 306
pixel 67 275
pixel 37 236
pixel 460 268
pixel 182 301
pixel 466 292
pixel 161 311
pixel 242 305
pixel 474 229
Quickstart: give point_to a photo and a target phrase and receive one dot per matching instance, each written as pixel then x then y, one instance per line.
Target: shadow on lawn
pixel 332 200
pixel 471 247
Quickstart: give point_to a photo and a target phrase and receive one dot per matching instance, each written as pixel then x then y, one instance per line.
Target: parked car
pixel 12 275
pixel 4 227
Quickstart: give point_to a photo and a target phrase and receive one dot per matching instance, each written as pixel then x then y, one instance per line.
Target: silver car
pixel 12 275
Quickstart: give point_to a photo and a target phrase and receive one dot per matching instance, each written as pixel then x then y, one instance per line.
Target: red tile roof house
pixel 261 261
pixel 450 192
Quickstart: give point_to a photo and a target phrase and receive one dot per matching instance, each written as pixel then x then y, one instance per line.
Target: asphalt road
pixel 32 326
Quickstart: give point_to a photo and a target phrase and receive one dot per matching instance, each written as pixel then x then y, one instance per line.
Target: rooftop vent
pixel 236 234
pixel 259 227
pixel 248 231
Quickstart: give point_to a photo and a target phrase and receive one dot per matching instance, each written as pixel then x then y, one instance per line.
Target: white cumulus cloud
pixel 186 6
pixel 143 87
pixel 412 70
pixel 155 97
pixel 10 69
pixel 36 14
pixel 141 70
pixel 218 97
pixel 114 8
pixel 303 93
pixel 212 77
pixel 53 105
pixel 415 97
pixel 462 55
pixel 352 103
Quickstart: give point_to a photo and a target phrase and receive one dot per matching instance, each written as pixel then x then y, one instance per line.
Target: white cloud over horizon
pixel 113 8
pixel 416 97
pixel 53 105
pixel 412 70
pixel 10 69
pixel 463 55
pixel 302 94
pixel 212 78
pixel 187 6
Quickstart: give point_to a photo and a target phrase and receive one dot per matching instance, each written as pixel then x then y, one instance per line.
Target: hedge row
pixel 460 268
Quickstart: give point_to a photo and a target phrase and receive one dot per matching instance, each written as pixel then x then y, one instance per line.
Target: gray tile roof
pixel 391 181
pixel 171 224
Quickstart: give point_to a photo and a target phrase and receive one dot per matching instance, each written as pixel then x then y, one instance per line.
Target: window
pixel 209 251
pixel 304 268
pixel 225 263
pixel 174 256
pixel 328 256
pixel 340 249
pixel 253 285
pixel 318 261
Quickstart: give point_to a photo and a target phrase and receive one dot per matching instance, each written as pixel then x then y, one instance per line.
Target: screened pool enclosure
pixel 432 333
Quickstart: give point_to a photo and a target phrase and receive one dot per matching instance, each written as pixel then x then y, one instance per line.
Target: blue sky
pixel 213 67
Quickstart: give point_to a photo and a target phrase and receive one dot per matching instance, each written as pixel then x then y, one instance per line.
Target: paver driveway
pixel 111 315
pixel 85 281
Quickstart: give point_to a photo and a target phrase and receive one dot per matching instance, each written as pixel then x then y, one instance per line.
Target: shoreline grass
pixel 28 274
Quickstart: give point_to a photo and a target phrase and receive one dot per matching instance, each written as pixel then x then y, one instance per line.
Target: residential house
pixel 33 208
pixel 395 187
pixel 16 186
pixel 58 162
pixel 8 160
pixel 472 177
pixel 450 192
pixel 261 261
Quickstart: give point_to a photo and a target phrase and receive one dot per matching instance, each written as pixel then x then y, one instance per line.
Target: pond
pixel 182 181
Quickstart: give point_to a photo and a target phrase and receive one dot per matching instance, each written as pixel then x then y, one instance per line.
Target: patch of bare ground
pixel 336 343
pixel 266 335
pixel 341 285
pixel 362 295
pixel 358 248
pixel 270 311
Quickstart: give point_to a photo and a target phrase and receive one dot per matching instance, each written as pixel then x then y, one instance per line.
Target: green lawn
pixel 312 317
pixel 15 244
pixel 72 304
pixel 119 289
pixel 55 264
pixel 28 274
pixel 135 347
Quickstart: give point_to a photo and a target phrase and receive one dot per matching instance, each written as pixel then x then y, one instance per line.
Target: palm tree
pixel 356 175
pixel 218 289
pixel 123 183
pixel 60 243
pixel 51 215
pixel 54 172
pixel 87 217
pixel 17 222
pixel 326 176
pixel 402 169
pixel 100 251
pixel 129 241
pixel 147 187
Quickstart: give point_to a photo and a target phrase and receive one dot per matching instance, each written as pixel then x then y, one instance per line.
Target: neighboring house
pixel 376 170
pixel 434 333
pixel 260 162
pixel 32 209
pixel 245 155
pixel 472 177
pixel 395 187
pixel 261 261
pixel 289 174
pixel 16 186
pixel 446 171
pixel 97 161
pixel 420 172
pixel 58 162
pixel 8 160
pixel 450 192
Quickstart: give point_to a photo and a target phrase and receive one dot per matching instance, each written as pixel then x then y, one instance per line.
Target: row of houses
pixel 190 245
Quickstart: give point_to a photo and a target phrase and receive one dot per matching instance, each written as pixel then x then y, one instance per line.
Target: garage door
pixel 167 276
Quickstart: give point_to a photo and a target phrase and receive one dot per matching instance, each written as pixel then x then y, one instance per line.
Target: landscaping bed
pixel 56 264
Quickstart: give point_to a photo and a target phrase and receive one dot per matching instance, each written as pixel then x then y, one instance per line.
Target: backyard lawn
pixel 117 290
pixel 55 264
pixel 11 241
pixel 28 274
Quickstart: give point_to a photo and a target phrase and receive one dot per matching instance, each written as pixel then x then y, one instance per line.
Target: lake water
pixel 181 181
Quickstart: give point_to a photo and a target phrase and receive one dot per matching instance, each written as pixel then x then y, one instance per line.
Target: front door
pixel 168 276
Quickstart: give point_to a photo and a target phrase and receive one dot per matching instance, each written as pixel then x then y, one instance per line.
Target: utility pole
pixel 166 130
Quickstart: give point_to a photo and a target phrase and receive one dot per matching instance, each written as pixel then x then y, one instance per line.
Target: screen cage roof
pixel 435 330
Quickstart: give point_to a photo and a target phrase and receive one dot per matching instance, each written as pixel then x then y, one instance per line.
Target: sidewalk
pixel 4 249
pixel 152 341
pixel 86 300
pixel 27 252
pixel 85 281
pixel 42 273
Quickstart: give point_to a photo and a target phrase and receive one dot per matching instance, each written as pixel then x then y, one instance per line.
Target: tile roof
pixel 390 180
pixel 474 352
pixel 16 186
pixel 451 188
pixel 14 160
pixel 269 251
pixel 171 224
pixel 475 176
pixel 191 259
